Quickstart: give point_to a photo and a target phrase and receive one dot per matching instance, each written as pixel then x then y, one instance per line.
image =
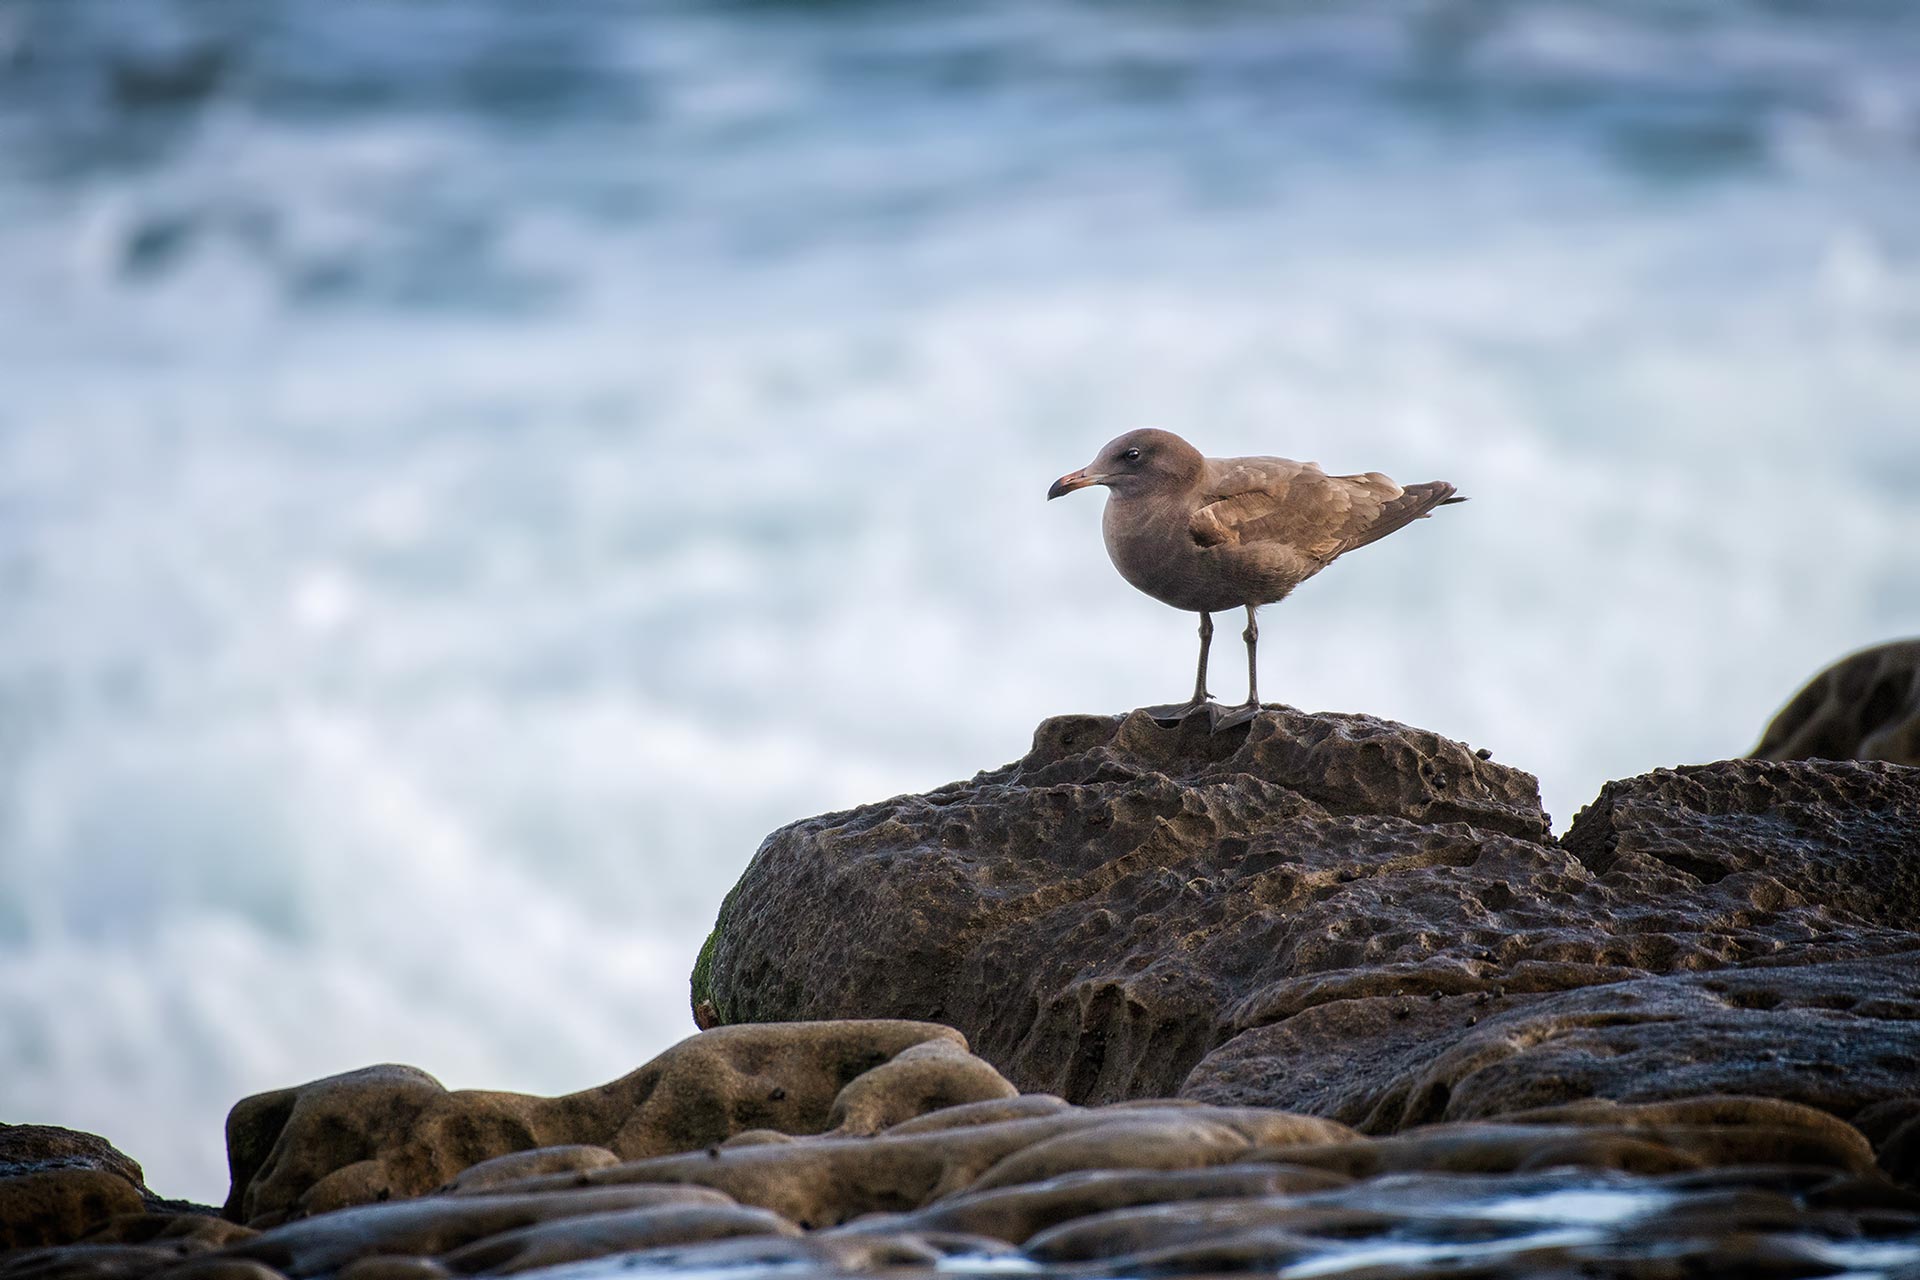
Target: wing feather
pixel 1256 501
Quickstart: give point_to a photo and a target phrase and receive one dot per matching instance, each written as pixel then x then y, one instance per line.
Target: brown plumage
pixel 1206 534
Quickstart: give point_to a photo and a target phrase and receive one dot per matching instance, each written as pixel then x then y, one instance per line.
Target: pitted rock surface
pixel 391 1132
pixel 1864 707
pixel 1321 913
pixel 1844 836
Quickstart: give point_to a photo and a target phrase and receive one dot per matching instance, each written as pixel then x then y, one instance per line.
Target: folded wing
pixel 1257 501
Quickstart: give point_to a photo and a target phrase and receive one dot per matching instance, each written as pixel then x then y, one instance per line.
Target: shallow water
pixel 467 473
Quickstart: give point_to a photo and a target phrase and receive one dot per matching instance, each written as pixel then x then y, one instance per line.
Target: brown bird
pixel 1207 534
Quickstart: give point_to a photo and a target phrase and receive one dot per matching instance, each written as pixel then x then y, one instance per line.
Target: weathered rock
pixel 1864 707
pixel 41 1148
pixel 1014 1213
pixel 1590 1188
pixel 1838 837
pixel 1342 916
pixel 393 1131
pixel 57 1185
pixel 828 1180
pixel 924 1078
pixel 1087 909
pixel 1839 1036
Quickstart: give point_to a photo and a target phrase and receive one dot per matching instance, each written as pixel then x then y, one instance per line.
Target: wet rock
pixel 88 1262
pixel 392 1132
pixel 222 1268
pixel 436 1225
pixel 548 1244
pixel 821 1254
pixel 1345 917
pixel 1864 707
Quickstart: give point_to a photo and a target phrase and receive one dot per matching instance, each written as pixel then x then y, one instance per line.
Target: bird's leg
pixel 1251 707
pixel 1206 642
pixel 1252 636
pixel 1173 714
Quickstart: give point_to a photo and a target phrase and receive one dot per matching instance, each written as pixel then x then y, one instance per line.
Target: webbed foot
pixel 1224 718
pixel 1174 713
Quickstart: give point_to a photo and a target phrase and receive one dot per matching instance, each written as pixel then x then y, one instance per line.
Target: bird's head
pixel 1138 462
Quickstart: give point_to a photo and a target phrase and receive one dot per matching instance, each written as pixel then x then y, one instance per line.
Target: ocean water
pixel 468 470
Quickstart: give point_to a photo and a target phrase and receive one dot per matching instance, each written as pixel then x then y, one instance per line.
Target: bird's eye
pixel 1131 455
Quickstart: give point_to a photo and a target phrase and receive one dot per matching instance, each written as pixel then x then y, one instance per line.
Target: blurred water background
pixel 469 469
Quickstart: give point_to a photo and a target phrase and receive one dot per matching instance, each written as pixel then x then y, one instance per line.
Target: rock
pixel 218 1268
pixel 548 1244
pixel 437 1225
pixel 39 1148
pixel 1863 707
pixel 1838 1035
pixel 1014 1213
pixel 927 1077
pixel 1900 1154
pixel 1842 837
pixel 817 1254
pixel 1024 1107
pixel 392 1132
pixel 57 1185
pixel 1688 1187
pixel 1091 911
pixel 88 1262
pixel 503 1170
pixel 833 1179
pixel 1345 917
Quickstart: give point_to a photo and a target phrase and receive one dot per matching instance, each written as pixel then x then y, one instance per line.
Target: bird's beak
pixel 1071 481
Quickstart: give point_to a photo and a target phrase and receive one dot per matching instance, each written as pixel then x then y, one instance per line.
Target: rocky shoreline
pixel 1317 996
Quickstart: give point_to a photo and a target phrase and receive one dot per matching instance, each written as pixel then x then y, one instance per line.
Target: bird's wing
pixel 1296 504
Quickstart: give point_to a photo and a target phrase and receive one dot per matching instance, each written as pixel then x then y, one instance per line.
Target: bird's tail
pixel 1434 493
pixel 1415 502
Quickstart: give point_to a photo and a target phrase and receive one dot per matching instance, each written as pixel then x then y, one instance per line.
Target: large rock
pixel 392 1132
pixel 1864 707
pixel 1353 918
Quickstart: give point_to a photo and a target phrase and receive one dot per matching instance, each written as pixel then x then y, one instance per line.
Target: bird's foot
pixel 1224 718
pixel 1175 713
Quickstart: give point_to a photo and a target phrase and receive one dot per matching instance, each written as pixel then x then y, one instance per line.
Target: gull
pixel 1207 534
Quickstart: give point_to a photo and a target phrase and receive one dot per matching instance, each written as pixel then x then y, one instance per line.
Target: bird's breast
pixel 1154 551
